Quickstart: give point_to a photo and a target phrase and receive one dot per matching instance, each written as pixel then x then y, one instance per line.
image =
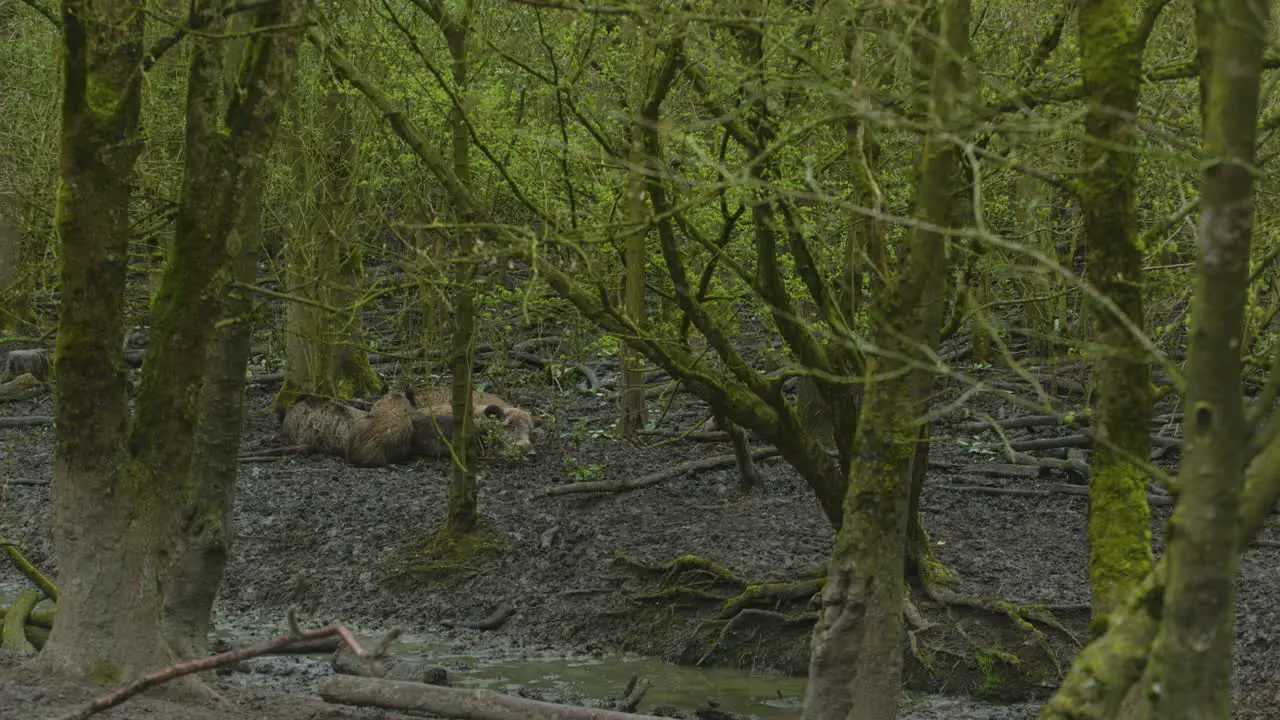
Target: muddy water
pixel 586 679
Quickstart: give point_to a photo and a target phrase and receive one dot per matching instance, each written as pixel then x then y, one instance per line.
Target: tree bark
pixel 1119 519
pixel 1189 675
pixel 264 64
pixel 104 523
pixel 463 511
pixel 856 654
pixel 1104 672
pixel 631 391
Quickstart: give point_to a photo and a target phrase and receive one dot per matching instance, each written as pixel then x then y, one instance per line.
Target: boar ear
pixel 410 395
pixel 494 411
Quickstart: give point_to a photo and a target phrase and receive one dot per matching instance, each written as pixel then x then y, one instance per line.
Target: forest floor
pixel 328 538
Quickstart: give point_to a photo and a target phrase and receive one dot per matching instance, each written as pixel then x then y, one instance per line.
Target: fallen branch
pixel 454 702
pixel 1079 467
pixel 694 466
pixel 1152 498
pixel 159 677
pixel 26 420
pixel 26 481
pixel 493 622
pixel 1082 440
pixel 695 436
pixel 31 572
pixel 1081 419
pixel 260 459
pixel 631 697
pixel 1019 470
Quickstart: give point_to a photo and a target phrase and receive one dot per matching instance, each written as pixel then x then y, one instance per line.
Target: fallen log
pixel 1152 498
pixel 26 421
pixel 694 466
pixel 455 702
pixel 22 387
pixel 635 691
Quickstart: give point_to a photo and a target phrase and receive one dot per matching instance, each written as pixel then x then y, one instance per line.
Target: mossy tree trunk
pixel 1189 675
pixel 15 301
pixel 324 340
pixel 463 514
pixel 856 656
pixel 338 206
pixel 1111 47
pixel 262 65
pixel 631 391
pixel 105 524
pixel 1176 631
pixel 1103 674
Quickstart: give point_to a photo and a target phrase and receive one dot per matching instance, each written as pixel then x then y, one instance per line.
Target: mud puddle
pixel 597 679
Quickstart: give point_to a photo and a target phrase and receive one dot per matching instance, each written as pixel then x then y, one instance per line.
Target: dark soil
pixel 330 539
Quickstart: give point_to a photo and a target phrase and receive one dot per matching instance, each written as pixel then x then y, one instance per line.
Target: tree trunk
pixel 856 656
pixel 324 337
pixel 104 524
pixel 1119 519
pixel 204 535
pixel 338 206
pixel 463 511
pixel 1104 672
pixel 265 65
pixel 15 301
pixel 631 391
pixel 1189 675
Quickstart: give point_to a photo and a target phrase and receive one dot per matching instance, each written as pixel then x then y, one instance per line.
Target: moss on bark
pixel 1119 525
pixel 104 520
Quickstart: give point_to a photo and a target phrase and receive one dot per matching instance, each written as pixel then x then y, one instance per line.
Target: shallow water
pixel 585 679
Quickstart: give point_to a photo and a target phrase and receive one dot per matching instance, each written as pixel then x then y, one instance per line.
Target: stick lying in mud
pixel 159 677
pixel 455 702
pixel 713 463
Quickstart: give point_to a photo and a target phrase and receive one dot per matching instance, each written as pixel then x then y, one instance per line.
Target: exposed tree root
pixel 772 594
pixel 38 618
pixel 494 621
pixel 709 615
pixel 13 633
pixel 31 572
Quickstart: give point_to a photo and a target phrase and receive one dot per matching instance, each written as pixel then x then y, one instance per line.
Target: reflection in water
pixel 559 678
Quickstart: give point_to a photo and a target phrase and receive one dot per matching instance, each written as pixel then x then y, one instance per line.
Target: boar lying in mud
pixel 384 436
pixel 318 424
pixel 515 423
pixel 394 430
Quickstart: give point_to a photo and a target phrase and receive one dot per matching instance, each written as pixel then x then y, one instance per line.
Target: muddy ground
pixel 326 537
